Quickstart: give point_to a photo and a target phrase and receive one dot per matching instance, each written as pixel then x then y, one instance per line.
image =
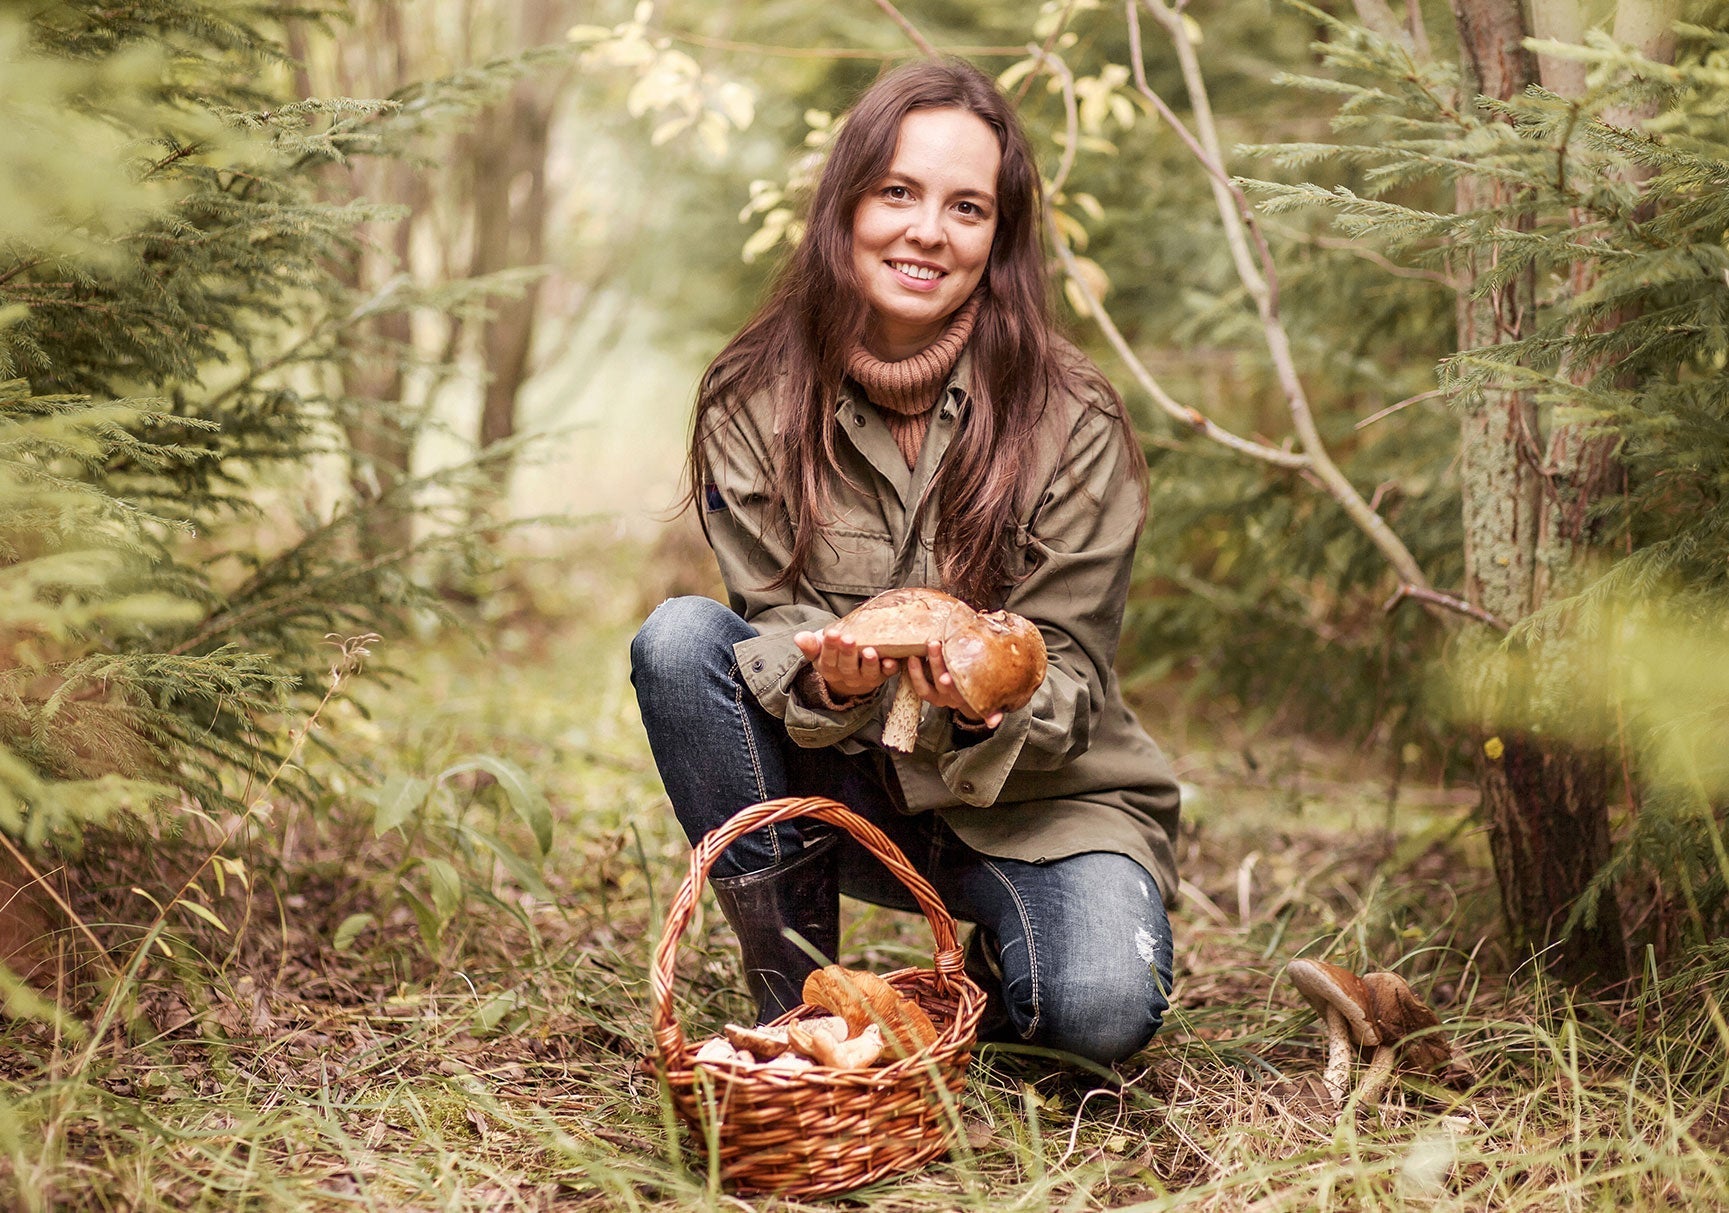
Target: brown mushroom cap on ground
pixel 1327 985
pixel 1398 1013
pixel 1343 1002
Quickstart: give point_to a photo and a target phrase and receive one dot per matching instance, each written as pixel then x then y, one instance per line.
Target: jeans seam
pixel 1032 945
pixel 755 757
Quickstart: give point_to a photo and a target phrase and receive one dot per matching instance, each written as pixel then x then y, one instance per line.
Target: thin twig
pixel 1393 408
pixel 1446 601
pixel 1050 44
pixel 1192 418
pixel 1379 259
pixel 1233 205
pixel 909 29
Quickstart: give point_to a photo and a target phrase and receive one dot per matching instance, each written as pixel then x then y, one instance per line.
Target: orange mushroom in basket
pixel 997 659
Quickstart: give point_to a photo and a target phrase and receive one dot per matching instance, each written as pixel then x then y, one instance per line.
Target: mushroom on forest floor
pixel 997 659
pixel 1379 1011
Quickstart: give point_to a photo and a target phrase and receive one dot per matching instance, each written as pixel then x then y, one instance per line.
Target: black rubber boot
pixel 802 895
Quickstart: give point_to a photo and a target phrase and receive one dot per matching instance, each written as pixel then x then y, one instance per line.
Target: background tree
pixel 172 564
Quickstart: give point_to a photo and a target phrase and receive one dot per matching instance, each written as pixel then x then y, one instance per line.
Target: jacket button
pixel 858 418
pixel 966 785
pixel 757 665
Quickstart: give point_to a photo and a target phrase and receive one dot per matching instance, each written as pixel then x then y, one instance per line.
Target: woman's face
pixel 921 237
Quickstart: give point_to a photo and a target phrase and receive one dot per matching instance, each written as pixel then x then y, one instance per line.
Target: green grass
pixel 481 1045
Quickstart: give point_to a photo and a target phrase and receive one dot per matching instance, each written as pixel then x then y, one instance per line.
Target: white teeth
pixel 915 271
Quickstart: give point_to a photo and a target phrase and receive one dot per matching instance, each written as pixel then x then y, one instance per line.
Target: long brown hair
pixel 798 341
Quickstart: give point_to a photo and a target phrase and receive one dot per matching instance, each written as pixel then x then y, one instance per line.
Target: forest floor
pixel 435 1016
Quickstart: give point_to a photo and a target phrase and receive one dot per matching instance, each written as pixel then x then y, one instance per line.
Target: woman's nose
pixel 926 227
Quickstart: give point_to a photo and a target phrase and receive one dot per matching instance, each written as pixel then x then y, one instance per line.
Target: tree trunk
pixel 1524 513
pixel 507 154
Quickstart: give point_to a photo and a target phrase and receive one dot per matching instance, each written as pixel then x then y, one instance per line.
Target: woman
pixel 901 413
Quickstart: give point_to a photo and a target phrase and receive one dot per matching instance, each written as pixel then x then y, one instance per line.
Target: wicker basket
pixel 822 1130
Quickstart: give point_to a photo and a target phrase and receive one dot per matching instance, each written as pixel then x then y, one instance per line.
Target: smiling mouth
pixel 921 272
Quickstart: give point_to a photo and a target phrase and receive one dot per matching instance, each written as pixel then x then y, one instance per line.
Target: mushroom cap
pixel 1398 1012
pixel 1327 985
pixel 900 623
pixel 864 999
pixel 997 659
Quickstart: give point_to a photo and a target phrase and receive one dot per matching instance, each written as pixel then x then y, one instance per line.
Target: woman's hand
pixel 849 669
pixel 934 684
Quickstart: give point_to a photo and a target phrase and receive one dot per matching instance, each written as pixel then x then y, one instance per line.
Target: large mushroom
pixel 1342 1001
pixel 1399 1016
pixel 997 659
pixel 1378 1011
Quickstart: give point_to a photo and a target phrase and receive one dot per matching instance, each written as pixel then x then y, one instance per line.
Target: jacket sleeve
pixel 751 546
pixel 1079 553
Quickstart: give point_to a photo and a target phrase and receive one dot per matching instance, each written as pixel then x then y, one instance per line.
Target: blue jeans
pixel 1085 946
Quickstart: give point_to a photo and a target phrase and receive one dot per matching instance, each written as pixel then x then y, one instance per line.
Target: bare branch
pixel 1241 226
pixel 1190 418
pixel 1225 192
pixel 1448 602
pixel 910 30
pixel 1050 42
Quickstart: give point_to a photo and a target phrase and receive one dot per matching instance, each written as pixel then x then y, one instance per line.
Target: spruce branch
pixel 352 654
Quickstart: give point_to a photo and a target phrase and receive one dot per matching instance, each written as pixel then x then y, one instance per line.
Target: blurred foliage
pixel 171 308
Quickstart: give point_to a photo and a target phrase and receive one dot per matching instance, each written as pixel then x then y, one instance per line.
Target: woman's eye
pixel 897 192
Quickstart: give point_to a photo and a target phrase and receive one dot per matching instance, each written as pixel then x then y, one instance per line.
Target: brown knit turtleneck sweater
pixel 906 391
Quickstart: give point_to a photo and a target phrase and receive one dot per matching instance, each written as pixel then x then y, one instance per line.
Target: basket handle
pixel 668 1036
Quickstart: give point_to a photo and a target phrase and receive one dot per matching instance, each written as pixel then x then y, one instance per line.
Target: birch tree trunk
pixel 1527 502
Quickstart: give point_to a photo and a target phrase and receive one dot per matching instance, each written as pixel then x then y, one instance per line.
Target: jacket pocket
pixel 848 561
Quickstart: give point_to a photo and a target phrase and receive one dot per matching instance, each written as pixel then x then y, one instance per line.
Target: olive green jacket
pixel 1072 771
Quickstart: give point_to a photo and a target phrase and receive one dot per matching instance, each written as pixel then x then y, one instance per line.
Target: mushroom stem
pixel 901 729
pixel 1377 1077
pixel 1338 1056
